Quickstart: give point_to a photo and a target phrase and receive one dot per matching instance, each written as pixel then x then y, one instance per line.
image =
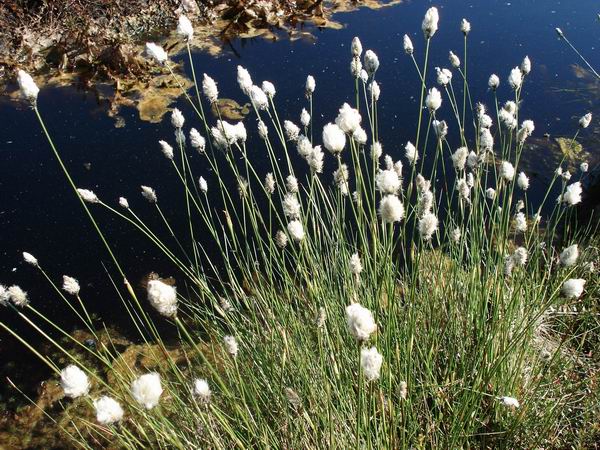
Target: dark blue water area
pixel 40 214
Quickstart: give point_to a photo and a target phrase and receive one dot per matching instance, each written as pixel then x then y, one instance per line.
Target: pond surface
pixel 40 214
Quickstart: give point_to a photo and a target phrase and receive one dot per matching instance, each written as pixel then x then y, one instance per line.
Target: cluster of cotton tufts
pixel 409 49
pixel 30 259
pixel 29 90
pixel 370 363
pixel 523 181
pixel 507 171
pixel 74 381
pixel 494 82
pixel 433 101
pixel 70 285
pixel 585 120
pixel 428 225
pixel 108 410
pixel 459 158
pixel 573 288
pixel 166 149
pixel 244 80
pixel 371 62
pixel 4 295
pixel 296 230
pixel 197 140
pixel 162 297
pixel 149 194
pixel 507 115
pixel 568 257
pixel 185 28
pixel 391 209
pixel 360 322
pixel 430 22
pixel 259 98
pixel 147 389
pixel 209 87
pixel 156 52
pixel 411 153
pixel 572 195
pixel 226 134
pixel 202 390
pixel 444 76
pixel 388 181
pixel 334 138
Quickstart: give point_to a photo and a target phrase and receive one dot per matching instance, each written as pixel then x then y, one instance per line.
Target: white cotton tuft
pixel 572 196
pixel 309 87
pixel 29 90
pixel 315 159
pixel 356 47
pixel 231 345
pixel 108 410
pixel 371 62
pixel 573 288
pixel 146 390
pixel 156 52
pixel 88 196
pixel 370 363
pixel 209 87
pixel 433 101
pixel 269 89
pixel 30 259
pixel 17 296
pixel 244 79
pixel 428 225
pixel 523 181
pixel 510 402
pixel 455 235
pixel 70 285
pixel 334 138
pixel 440 127
pixel 355 264
pixel 4 295
pixel 520 222
pixel 526 65
pixel 291 184
pixel 203 184
pixel 585 121
pixel 360 322
pixel 584 167
pixel 391 209
pixel 149 194
pixel 348 119
pixel 387 181
pixel 454 60
pixel 291 130
pixel 304 117
pixel 515 79
pixel 411 153
pixel 465 26
pixel 197 140
pixel 185 28
pixel 177 119
pixel 494 81
pixel 281 239
pixel 568 257
pixel 74 381
pixel 162 297
pixel 166 149
pixel 490 193
pixel 263 131
pixel 291 206
pixel 202 390
pixel 296 230
pixel 507 171
pixel 408 45
pixel 430 22
pixel 520 256
pixel 259 98
pixel 459 158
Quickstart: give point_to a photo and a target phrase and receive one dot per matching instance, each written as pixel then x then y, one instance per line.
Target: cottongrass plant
pixel 358 300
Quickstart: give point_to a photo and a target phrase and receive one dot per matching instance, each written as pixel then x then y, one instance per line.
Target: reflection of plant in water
pixel 420 306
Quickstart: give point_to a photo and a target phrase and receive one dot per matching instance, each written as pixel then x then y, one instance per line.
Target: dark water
pixel 40 214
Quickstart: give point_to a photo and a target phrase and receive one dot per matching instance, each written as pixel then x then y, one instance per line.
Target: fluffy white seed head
pixel 203 184
pixel 376 150
pixel 147 389
pixel 296 230
pixel 428 225
pixel 291 184
pixel 455 235
pixel 268 88
pixel 490 193
pixel 197 140
pixel 433 101
pixel 291 206
pixel 348 119
pixel 360 136
pixel 259 98
pixel 585 121
pixel 408 45
pixel 443 76
pixel 360 322
pixel 88 196
pixel 387 181
pixel 568 257
pixel 108 410
pixel 30 259
pixel 4 295
pixel 231 345
pixel 391 209
pixel 527 128
pixel 244 79
pixel 334 138
pixel 356 47
pixel 584 167
pixel 494 81
pixel 572 195
pixel 304 117
pixel 166 149
pixel 74 381
pixel 162 297
pixel 304 146
pixel 263 131
pixel 486 140
pixel 156 52
pixel 370 363
pixel 202 390
pixel 515 78
pixel 526 65
pixel 465 26
pixel 315 159
pixel 510 402
pixel 520 256
pixel 520 222
pixel 291 130
pixel 440 127
pixel 523 181
pixel 374 90
pixel 149 194
pixel 269 183
pixel 430 22
pixel 309 87
pixel 573 288
pixel 185 28
pixel 209 87
pixel 371 62
pixel 507 171
pixel 29 90
pixel 17 296
pixel 281 239
pixel 454 60
pixel 411 153
pixel 355 264
pixel 459 158
pixel 70 285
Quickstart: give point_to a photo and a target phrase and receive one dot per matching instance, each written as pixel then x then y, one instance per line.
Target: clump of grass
pixel 357 299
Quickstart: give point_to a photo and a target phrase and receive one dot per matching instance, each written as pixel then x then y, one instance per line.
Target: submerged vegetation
pixel 420 300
